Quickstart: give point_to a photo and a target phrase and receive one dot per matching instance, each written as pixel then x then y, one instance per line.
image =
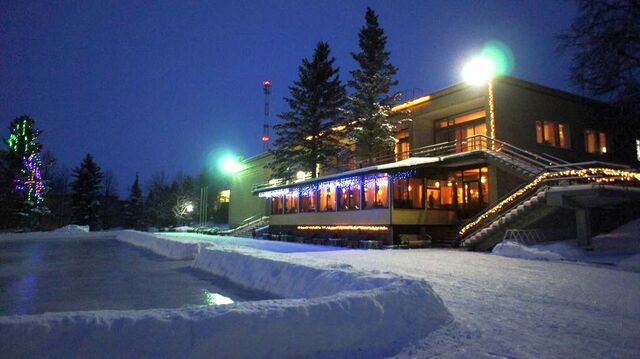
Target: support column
pixel 583 227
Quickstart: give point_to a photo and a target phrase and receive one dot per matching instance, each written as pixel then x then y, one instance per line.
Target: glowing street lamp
pixel 189 208
pixel 479 70
pixel 231 164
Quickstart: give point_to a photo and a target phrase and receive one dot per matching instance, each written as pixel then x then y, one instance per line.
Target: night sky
pixel 148 86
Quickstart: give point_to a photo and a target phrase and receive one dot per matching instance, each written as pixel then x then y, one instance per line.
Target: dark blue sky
pixel 148 86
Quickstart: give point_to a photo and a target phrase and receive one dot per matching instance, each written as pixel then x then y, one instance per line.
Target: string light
pixel 492 116
pixel 344 228
pixel 588 174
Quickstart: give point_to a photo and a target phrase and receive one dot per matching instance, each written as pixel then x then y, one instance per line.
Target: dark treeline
pixel 36 193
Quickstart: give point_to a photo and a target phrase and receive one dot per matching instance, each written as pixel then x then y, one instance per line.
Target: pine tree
pixel 24 193
pixel 85 201
pixel 133 210
pixel 306 139
pixel 371 127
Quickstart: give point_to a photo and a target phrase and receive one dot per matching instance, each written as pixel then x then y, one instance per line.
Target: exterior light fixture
pixel 478 71
pixel 301 175
pixel 231 164
pixel 189 208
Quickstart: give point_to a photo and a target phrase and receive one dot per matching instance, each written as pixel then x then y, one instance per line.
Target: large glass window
pixel 553 134
pixel 595 142
pixel 327 198
pixel 349 198
pixel 308 201
pixel 376 193
pixel 408 193
pixel 462 129
pixel 277 205
pixel 472 190
pixel 291 202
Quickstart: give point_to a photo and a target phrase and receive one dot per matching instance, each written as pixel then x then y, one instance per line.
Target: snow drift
pixel 326 312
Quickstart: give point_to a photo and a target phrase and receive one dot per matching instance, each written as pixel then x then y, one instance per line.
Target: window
pixel 434 194
pixel 402 146
pixel 308 201
pixel 553 134
pixel 327 199
pixel 407 193
pixel 349 198
pixel 376 192
pixel 291 202
pixel 595 142
pixel 277 205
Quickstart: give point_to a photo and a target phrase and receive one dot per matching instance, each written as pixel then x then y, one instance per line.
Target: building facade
pixel 461 150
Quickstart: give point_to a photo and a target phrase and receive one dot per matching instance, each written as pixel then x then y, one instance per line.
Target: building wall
pixel 243 204
pixel 363 217
pixel 454 101
pixel 519 104
pixel 423 217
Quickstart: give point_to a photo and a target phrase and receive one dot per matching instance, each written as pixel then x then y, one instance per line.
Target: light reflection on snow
pixel 216 299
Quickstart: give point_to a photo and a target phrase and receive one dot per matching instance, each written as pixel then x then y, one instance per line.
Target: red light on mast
pixel 266 83
pixel 265 138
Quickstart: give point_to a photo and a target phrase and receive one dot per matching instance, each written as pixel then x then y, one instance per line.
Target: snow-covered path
pixel 513 307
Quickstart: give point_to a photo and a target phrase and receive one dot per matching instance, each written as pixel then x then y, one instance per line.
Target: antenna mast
pixel 266 85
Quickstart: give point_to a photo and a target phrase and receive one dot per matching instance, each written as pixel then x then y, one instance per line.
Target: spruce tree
pixel 24 185
pixel 85 195
pixel 305 139
pixel 371 127
pixel 133 210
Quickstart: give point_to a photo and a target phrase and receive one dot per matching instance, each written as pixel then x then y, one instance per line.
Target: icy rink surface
pixel 38 276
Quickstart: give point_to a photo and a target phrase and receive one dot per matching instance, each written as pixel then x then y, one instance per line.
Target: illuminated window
pixel 376 192
pixel 291 202
pixel 434 194
pixel 401 149
pixel 595 142
pixel 553 134
pixel 308 201
pixel 638 150
pixel 408 193
pixel 327 199
pixel 349 198
pixel 277 205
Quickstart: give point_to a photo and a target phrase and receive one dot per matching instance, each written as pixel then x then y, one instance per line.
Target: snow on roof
pixel 409 162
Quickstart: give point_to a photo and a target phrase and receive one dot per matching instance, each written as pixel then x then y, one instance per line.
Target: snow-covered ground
pixel 502 307
pixel 619 248
pixel 490 306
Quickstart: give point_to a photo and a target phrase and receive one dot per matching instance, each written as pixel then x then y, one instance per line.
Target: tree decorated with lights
pixel 133 216
pixel 24 166
pixel 309 136
pixel 85 195
pixel 370 126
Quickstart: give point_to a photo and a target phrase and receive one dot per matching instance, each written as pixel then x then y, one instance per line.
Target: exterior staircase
pixel 247 229
pixel 521 215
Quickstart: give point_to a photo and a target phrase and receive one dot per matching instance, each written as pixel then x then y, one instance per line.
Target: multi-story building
pixel 463 151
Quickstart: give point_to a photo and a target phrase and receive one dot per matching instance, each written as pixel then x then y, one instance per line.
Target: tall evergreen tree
pixel 85 195
pixel 133 210
pixel 371 127
pixel 306 140
pixel 24 168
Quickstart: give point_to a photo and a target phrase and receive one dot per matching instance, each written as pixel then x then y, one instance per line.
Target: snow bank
pixel 328 311
pixel 162 246
pixel 517 250
pixel 72 228
pixel 620 247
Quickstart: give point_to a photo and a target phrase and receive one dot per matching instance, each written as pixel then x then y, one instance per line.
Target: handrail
pixel 533 187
